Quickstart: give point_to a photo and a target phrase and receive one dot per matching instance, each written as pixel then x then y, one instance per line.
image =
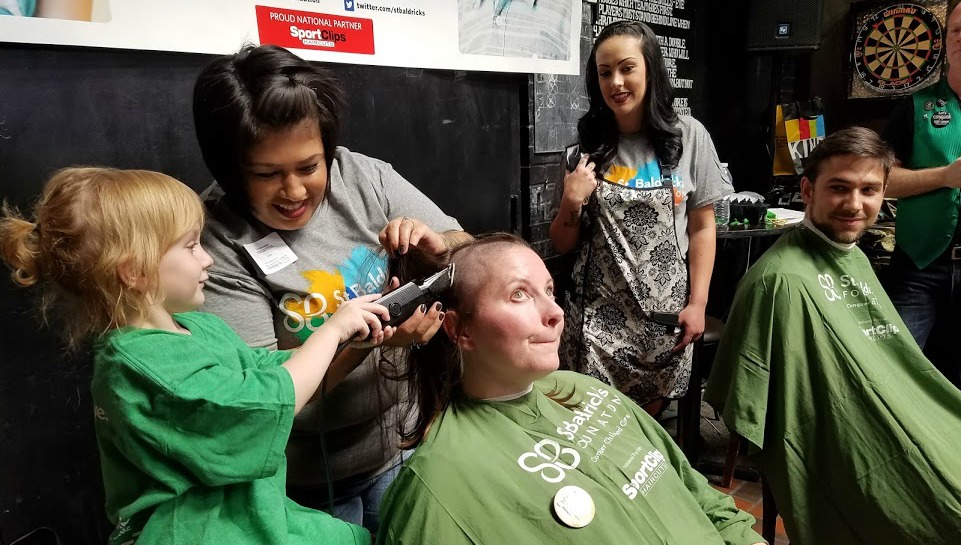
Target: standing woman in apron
pixel 638 208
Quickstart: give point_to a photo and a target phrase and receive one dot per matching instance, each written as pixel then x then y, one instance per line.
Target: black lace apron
pixel 630 264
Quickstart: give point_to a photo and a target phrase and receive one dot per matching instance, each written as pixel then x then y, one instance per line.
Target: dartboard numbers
pixel 898 47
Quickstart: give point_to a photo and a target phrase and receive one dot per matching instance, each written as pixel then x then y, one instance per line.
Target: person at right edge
pixel 638 210
pixel 924 281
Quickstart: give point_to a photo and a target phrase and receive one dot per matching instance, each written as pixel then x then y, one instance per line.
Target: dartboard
pixel 898 47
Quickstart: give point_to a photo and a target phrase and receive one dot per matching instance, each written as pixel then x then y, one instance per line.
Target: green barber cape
pixel 858 435
pixel 191 430
pixel 488 471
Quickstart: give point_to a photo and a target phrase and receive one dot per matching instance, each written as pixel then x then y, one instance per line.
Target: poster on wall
pixel 671 21
pixel 491 35
pixel 560 100
pixel 896 47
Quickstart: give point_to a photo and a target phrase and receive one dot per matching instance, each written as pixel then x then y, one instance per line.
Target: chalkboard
pixel 560 100
pixel 454 135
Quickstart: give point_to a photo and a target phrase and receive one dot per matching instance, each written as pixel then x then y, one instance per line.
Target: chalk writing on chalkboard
pixel 559 100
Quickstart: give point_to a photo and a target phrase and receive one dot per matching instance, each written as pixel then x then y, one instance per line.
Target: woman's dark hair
pixel 597 129
pixel 239 97
pixel 433 371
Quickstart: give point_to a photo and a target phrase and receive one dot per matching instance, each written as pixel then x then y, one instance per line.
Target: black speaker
pixel 784 24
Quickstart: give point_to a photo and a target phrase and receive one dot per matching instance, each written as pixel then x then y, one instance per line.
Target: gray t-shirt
pixel 338 258
pixel 698 179
pixel 633 260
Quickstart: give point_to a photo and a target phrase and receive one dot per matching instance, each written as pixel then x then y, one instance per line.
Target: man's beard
pixel 845 238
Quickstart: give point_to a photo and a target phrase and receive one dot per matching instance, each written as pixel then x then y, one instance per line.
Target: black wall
pixel 743 86
pixel 454 135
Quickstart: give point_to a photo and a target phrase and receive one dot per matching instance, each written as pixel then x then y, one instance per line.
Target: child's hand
pixel 359 320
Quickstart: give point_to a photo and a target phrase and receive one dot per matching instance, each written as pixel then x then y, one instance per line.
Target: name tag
pixel 270 253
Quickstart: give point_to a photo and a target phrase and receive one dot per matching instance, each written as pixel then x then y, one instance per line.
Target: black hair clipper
pixel 572 156
pixel 402 302
pixel 669 319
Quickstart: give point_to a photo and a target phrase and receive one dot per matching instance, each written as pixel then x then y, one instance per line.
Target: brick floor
pixel 747 494
pixel 747 497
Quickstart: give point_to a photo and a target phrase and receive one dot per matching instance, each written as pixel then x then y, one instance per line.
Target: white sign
pixel 491 35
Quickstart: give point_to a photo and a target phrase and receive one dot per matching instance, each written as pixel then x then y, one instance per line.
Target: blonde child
pixel 190 421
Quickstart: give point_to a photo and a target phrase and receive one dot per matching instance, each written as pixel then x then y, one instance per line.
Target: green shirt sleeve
pixel 222 419
pixel 265 358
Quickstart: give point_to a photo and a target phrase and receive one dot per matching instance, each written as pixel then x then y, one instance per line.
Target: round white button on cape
pixel 574 506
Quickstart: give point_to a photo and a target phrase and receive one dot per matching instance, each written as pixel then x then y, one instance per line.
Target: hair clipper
pixel 402 302
pixel 572 156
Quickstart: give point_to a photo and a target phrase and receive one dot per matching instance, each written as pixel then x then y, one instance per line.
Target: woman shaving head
pixel 508 326
pixel 551 456
pixel 268 123
pixel 501 322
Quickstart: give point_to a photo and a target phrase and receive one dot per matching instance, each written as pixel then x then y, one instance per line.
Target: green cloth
pixel 488 471
pixel 925 223
pixel 858 435
pixel 191 430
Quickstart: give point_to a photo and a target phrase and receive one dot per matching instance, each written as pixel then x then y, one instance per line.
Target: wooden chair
pixel 768 513
pixel 689 406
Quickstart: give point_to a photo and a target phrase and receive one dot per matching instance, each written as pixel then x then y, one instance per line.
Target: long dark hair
pixel 238 97
pixel 433 371
pixel 597 129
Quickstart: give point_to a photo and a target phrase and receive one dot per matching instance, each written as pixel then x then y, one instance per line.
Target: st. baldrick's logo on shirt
pixel 847 287
pixel 361 273
pixel 646 177
pixel 594 416
pixel 550 459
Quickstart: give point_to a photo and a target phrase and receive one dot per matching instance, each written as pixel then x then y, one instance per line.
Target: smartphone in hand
pixel 665 318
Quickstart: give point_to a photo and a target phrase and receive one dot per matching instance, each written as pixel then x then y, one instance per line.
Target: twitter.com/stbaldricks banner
pixel 489 35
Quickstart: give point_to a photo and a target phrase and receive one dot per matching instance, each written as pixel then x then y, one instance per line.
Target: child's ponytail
pixel 89 222
pixel 19 246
